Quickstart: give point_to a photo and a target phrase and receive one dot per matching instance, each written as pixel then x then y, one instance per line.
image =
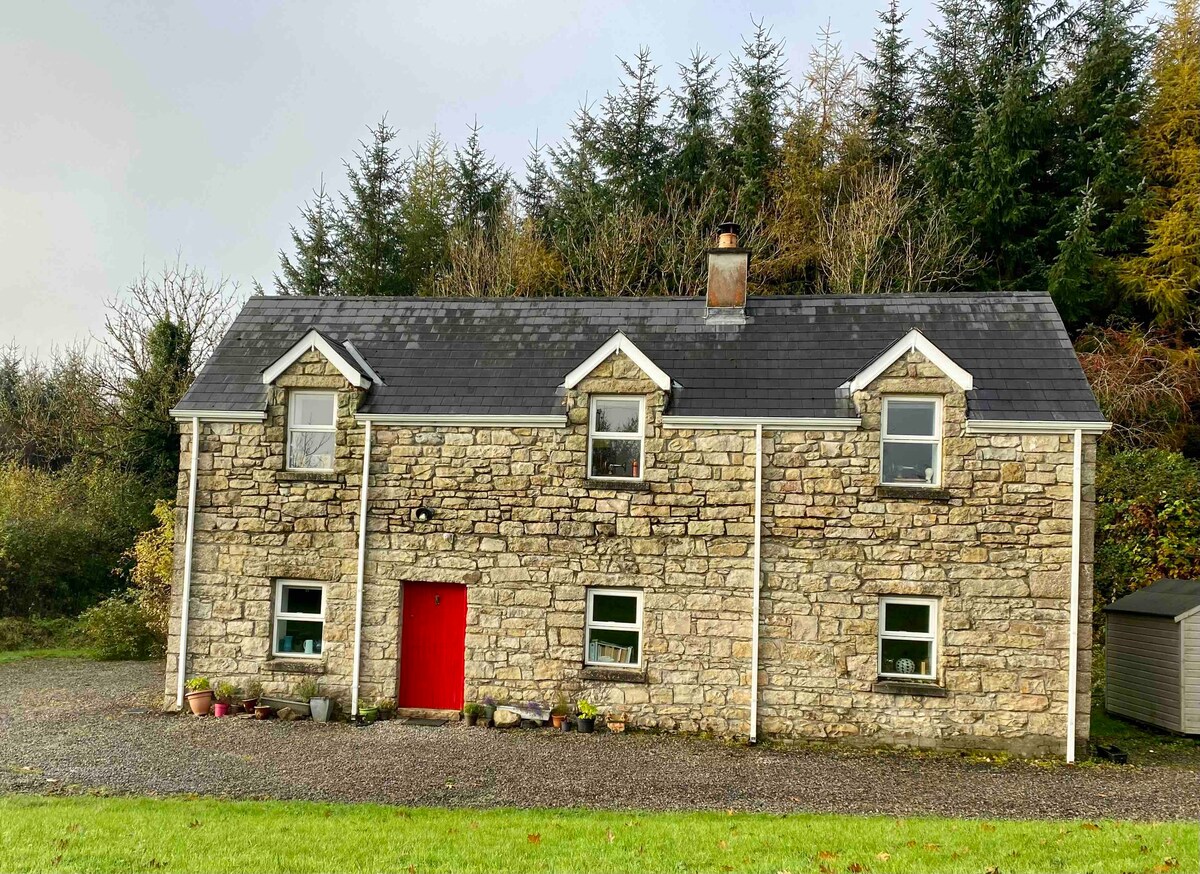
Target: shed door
pixel 432 645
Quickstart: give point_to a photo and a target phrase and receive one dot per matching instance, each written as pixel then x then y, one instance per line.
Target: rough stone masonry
pixel 518 522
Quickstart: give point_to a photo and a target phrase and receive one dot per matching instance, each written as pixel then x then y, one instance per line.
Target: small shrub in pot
pixel 254 690
pixel 199 695
pixel 386 707
pixel 473 711
pixel 587 716
pixel 561 711
pixel 227 694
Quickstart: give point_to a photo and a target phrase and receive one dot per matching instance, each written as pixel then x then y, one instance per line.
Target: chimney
pixel 728 267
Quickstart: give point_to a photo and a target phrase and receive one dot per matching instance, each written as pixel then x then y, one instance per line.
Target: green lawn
pixel 16 655
pixel 143 834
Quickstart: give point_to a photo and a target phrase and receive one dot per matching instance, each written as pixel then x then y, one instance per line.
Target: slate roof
pixel 509 355
pixel 1165 598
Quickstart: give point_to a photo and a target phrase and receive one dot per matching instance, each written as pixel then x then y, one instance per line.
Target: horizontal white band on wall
pixel 464 420
pixel 739 423
pixel 219 415
pixel 1015 426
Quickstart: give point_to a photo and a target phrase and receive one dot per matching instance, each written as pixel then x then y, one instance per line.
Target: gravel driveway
pixel 65 727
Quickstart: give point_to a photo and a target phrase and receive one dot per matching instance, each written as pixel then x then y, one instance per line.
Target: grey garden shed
pixel 1153 656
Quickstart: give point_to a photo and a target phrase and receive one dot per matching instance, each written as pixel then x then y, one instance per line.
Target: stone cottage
pixel 863 518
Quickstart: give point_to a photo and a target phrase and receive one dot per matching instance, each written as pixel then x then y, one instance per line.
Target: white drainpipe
pixel 362 560
pixel 754 610
pixel 1073 639
pixel 187 563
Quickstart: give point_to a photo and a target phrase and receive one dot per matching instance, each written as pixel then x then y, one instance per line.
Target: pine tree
pixel 315 268
pixel 631 144
pixel 696 124
pixel 369 227
pixel 1073 280
pixel 887 102
pixel 426 210
pixel 537 192
pixel 151 437
pixel 480 185
pixel 1167 276
pixel 759 85
pixel 578 191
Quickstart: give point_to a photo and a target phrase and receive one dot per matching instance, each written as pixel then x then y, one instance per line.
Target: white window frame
pixel 298 617
pixel 308 429
pixel 640 436
pixel 931 636
pixel 935 441
pixel 636 625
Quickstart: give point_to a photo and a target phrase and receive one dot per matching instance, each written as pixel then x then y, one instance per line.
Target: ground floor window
pixel 614 627
pixel 908 638
pixel 299 618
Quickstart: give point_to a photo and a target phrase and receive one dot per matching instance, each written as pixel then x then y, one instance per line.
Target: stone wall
pixel 517 521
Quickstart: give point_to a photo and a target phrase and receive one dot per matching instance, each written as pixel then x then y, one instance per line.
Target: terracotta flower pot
pixel 200 701
pixel 220 709
pixel 558 719
pixel 262 711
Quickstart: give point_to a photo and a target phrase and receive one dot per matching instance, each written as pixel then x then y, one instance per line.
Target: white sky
pixel 130 131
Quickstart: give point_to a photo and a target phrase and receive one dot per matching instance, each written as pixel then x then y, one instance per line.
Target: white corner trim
pixel 218 415
pixel 618 342
pixel 1037 426
pixel 314 340
pixel 464 420
pixel 914 340
pixel 362 362
pixel 776 423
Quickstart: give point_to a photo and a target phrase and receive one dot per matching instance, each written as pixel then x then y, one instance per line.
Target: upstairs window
pixel 908 638
pixel 616 437
pixel 614 627
pixel 312 430
pixel 912 442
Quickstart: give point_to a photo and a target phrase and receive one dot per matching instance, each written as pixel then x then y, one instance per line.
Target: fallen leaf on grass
pixel 609 836
pixel 910 844
pixel 987 827
pixel 992 869
pixel 534 838
pixel 856 868
pixel 883 857
pixel 724 845
pixel 73 827
pixel 57 860
pixel 195 823
pixel 1090 826
pixel 933 848
pixel 825 854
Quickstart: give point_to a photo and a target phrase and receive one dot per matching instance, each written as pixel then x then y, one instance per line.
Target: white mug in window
pixel 308 647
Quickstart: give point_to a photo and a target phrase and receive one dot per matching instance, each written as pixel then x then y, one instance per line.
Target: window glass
pixel 617 416
pixel 311 450
pixel 906 617
pixel 616 457
pixel 313 409
pixel 297 637
pixel 909 462
pixel 610 646
pixel 907 657
pixel 297 599
pixel 911 418
pixel 614 608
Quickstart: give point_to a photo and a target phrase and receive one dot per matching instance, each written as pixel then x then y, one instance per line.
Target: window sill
pixel 918 688
pixel 310 476
pixel 613 675
pixel 618 485
pixel 920 493
pixel 284 665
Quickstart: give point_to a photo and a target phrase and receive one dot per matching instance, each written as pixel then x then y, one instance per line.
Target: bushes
pixel 17 633
pixel 153 557
pixel 1147 520
pixel 117 628
pixel 62 533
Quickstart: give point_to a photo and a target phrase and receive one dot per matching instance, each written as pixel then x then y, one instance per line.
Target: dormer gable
pixel 618 342
pixel 348 361
pixel 913 341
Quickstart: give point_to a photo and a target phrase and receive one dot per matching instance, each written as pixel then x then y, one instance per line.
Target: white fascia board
pixel 618 342
pixel 914 340
pixel 1187 614
pixel 777 423
pixel 218 415
pixel 463 420
pixel 1017 426
pixel 313 340
pixel 362 362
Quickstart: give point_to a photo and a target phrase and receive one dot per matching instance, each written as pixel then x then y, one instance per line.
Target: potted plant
pixel 320 705
pixel 199 696
pixel 489 709
pixel 473 711
pixel 561 711
pixel 587 716
pixel 367 713
pixel 386 707
pixel 262 711
pixel 226 695
pixel 615 722
pixel 250 697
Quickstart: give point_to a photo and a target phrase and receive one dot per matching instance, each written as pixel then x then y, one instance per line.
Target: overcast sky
pixel 131 131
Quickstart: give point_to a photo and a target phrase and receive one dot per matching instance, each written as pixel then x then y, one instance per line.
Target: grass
pixel 144 834
pixel 17 655
pixel 1145 744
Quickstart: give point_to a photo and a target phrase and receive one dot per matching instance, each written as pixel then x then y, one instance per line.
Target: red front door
pixel 432 646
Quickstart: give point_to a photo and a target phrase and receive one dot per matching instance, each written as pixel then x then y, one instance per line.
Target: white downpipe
pixel 362 564
pixel 1073 640
pixel 754 610
pixel 187 563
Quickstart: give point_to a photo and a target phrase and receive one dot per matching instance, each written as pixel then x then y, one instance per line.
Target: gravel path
pixel 65 727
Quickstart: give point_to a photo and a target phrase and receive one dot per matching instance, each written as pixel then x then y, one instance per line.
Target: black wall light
pixel 422 514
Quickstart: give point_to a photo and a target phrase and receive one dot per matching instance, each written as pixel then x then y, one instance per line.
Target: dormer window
pixel 616 437
pixel 312 430
pixel 912 442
